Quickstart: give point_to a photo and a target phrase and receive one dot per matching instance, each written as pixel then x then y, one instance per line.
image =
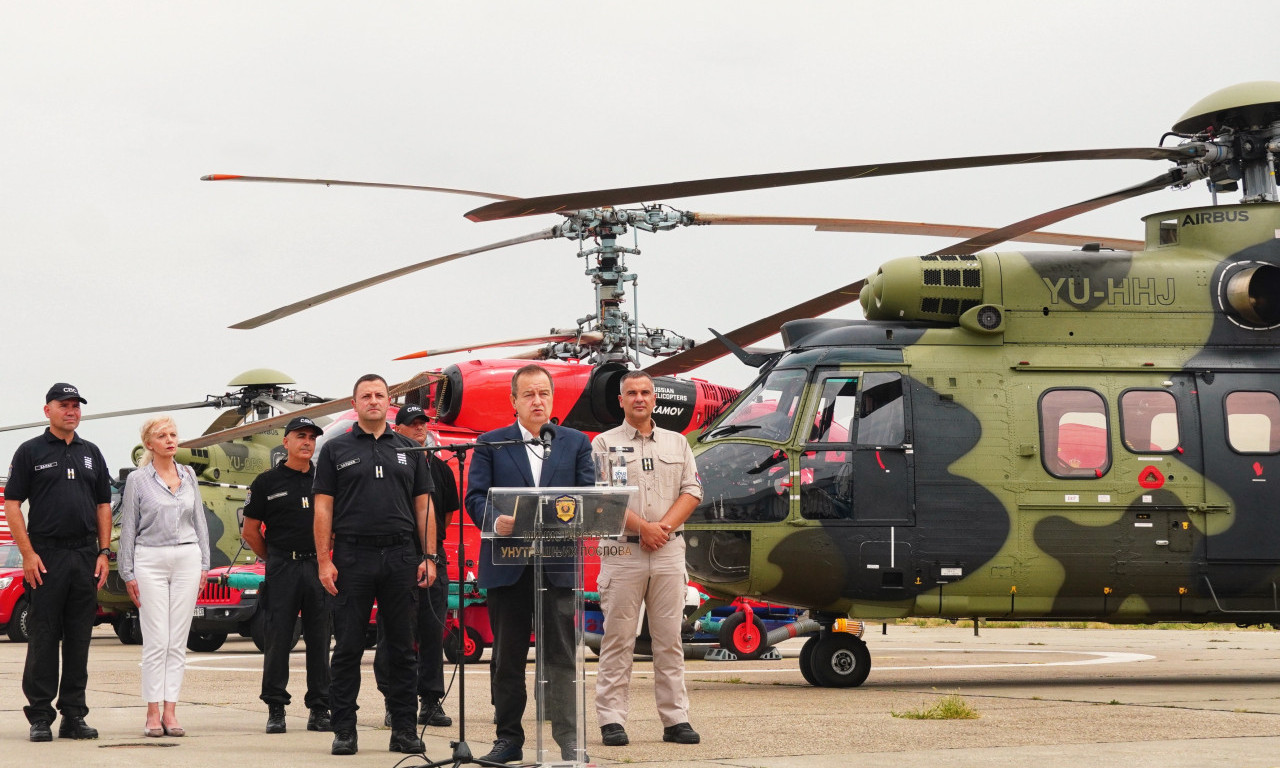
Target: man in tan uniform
pixel 649 568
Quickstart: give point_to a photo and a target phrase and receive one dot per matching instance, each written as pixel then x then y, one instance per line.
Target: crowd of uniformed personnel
pixel 364 521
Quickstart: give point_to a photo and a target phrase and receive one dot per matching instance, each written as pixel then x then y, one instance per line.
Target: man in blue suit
pixel 509 582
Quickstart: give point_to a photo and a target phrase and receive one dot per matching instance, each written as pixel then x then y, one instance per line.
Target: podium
pixel 553 530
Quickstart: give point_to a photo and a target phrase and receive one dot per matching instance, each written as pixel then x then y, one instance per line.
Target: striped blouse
pixel 151 515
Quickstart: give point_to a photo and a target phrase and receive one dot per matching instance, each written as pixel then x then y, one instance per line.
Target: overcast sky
pixel 122 270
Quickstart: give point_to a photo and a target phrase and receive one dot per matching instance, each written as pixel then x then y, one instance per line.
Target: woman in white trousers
pixel 164 557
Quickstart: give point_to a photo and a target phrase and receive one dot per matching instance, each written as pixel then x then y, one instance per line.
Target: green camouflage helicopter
pixel 1084 434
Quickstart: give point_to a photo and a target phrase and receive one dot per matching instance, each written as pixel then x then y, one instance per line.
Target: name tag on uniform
pixel 348 463
pixel 279 495
pixel 50 465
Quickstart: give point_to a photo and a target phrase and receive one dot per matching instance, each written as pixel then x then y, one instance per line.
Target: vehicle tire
pixel 19 627
pixel 128 629
pixel 806 661
pixel 840 660
pixel 747 640
pixel 472 645
pixel 258 631
pixel 205 642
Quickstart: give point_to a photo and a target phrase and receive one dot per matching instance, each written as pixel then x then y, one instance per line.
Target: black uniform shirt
pixel 281 498
pixel 64 484
pixel 372 484
pixel 445 496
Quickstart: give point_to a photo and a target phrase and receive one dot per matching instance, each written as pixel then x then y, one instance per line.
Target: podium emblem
pixel 566 508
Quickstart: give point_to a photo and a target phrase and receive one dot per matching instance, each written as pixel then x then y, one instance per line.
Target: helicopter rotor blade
pixel 714 349
pixel 531 206
pixel 298 306
pixel 888 227
pixel 1013 231
pixel 319 409
pixel 561 335
pixel 708 351
pixel 129 412
pixel 589 338
pixel 340 183
pixel 225 420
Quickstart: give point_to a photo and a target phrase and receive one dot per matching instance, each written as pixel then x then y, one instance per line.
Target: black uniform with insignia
pixel 63 483
pixel 281 498
pixel 374 528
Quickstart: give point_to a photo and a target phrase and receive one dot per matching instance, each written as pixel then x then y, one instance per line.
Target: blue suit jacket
pixel 507 466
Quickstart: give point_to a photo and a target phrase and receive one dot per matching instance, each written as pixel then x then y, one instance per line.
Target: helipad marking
pixel 1094 657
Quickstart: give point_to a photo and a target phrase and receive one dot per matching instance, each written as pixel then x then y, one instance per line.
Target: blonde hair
pixel 149 426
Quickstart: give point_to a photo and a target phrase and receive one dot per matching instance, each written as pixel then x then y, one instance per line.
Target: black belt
pixel 390 540
pixel 636 539
pixel 65 542
pixel 289 554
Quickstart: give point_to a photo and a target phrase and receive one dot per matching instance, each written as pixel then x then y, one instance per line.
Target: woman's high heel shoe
pixel 173 730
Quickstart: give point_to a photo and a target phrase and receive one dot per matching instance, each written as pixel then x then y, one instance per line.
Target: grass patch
pixel 1000 624
pixel 951 707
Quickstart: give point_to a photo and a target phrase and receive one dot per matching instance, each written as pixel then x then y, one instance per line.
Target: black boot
pixel 431 713
pixel 318 720
pixel 275 718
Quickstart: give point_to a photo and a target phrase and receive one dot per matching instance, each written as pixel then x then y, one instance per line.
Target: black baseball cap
pixel 302 422
pixel 410 414
pixel 63 391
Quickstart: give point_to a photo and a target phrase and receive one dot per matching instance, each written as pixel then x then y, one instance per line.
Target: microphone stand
pixel 461 751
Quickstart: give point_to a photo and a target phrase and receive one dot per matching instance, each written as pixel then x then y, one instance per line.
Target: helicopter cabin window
pixel 1253 422
pixel 826 473
pixel 768 411
pixel 881 416
pixel 1149 421
pixel 1074 433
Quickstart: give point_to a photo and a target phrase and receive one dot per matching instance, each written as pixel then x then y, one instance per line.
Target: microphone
pixel 546 435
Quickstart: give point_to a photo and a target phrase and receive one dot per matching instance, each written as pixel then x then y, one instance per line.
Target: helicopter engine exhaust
pixel 1252 295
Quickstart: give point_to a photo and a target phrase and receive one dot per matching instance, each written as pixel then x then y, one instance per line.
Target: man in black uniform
pixel 65 550
pixel 433 602
pixel 370 502
pixel 281 498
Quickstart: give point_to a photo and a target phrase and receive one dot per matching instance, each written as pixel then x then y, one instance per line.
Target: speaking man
pixel 281 499
pixel 510 584
pixel 65 550
pixel 371 500
pixel 649 569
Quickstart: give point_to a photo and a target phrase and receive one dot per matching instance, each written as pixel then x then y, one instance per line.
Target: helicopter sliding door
pixel 857 463
pixel 1240 416
pixel 884 493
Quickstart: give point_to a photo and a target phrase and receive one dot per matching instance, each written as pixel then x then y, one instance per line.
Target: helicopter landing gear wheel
pixel 806 661
pixel 839 660
pixel 472 646
pixel 746 639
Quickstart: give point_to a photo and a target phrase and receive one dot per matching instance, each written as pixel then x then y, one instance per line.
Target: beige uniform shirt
pixel 660 465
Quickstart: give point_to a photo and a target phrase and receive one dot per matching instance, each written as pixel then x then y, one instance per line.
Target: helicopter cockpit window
pixel 1074 433
pixel 881 419
pixel 767 411
pixel 833 417
pixel 743 482
pixel 1253 422
pixel 1149 421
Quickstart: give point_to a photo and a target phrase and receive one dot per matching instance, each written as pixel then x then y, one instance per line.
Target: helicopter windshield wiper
pixel 729 429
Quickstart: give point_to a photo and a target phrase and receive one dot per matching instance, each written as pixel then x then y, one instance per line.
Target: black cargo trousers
pixel 292 586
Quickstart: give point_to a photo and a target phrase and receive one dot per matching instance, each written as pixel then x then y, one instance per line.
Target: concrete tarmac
pixel 1045 696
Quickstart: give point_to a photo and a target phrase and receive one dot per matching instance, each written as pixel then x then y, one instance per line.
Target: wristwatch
pixel 105 551
pixel 434 557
